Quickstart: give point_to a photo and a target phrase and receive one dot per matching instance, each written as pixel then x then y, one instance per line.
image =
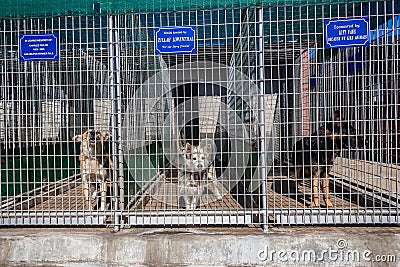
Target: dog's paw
pixel 315 204
pixel 219 196
pixel 329 204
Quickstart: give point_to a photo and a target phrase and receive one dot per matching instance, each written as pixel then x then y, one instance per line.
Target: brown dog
pixel 95 165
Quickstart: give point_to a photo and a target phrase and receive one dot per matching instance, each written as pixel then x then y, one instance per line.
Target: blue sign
pixel 346 32
pixel 35 47
pixel 175 40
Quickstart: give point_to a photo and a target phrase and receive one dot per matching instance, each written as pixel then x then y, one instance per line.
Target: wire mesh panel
pixel 44 105
pixel 275 114
pixel 295 119
pixel 190 129
pixel 338 130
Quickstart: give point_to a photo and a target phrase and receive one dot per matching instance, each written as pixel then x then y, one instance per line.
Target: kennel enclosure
pixel 248 78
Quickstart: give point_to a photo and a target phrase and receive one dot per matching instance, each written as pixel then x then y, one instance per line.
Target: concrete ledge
pixel 201 247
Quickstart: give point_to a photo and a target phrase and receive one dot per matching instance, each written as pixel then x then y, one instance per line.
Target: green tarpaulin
pixel 40 8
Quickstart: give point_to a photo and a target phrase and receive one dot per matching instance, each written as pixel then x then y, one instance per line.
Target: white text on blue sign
pixel 177 40
pixel 346 32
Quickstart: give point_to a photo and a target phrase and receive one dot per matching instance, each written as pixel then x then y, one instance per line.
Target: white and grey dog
pixel 196 171
pixel 95 165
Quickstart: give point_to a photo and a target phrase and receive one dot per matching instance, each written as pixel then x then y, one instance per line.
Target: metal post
pixel 116 122
pixel 261 107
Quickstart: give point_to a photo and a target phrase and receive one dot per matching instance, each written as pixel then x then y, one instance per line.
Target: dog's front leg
pixel 87 201
pixel 184 193
pixel 103 194
pixel 217 193
pixel 212 176
pixel 189 203
pixel 299 176
pixel 325 189
pixel 191 197
pixel 195 201
pixel 315 188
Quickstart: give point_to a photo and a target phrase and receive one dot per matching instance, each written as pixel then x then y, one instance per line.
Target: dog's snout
pixel 94 136
pixel 199 165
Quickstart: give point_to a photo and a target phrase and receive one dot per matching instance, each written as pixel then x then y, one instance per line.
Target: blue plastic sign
pixel 37 47
pixel 346 32
pixel 175 40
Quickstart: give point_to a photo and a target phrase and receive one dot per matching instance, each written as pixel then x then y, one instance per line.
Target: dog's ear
pixel 77 138
pixel 208 148
pixel 188 148
pixel 84 136
pixel 106 135
pixel 80 137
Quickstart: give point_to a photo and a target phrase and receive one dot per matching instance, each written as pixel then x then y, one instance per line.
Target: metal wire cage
pixel 261 122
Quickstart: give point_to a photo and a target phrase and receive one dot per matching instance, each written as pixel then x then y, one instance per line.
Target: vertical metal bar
pixel 261 114
pixel 395 73
pixel 116 119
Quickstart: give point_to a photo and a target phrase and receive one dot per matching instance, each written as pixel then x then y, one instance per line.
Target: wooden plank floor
pixel 284 194
pixel 70 200
pixel 164 196
pixel 375 177
pixel 369 182
pixel 64 195
pixel 354 184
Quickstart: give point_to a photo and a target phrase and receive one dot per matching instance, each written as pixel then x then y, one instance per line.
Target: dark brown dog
pixel 313 156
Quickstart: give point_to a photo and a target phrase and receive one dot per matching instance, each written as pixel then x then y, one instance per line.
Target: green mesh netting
pixel 40 8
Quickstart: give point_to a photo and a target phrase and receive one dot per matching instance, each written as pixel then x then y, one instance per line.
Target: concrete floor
pixel 286 246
